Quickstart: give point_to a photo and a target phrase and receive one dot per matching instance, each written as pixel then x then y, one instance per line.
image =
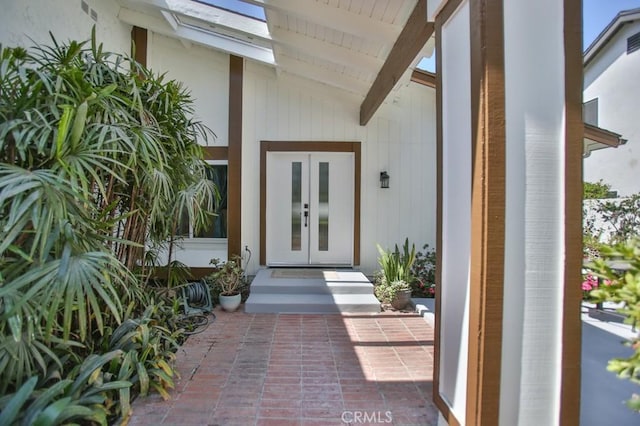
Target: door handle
pixel 306 214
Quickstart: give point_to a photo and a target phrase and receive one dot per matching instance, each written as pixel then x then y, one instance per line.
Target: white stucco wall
pixel 400 139
pixel 612 78
pixel 27 21
pixel 205 74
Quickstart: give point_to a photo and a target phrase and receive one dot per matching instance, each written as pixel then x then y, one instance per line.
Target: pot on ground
pixel 401 299
pixel 230 303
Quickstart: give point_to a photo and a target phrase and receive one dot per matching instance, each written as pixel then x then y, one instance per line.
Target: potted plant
pixel 392 282
pixel 397 293
pixel 228 281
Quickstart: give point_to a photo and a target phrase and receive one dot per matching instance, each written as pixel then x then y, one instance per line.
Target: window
pixel 216 172
pixel 633 43
pixel 590 112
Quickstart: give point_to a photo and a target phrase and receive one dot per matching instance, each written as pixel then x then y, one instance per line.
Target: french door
pixel 310 208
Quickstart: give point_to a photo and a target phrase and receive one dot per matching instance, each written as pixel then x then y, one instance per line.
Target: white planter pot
pixel 230 303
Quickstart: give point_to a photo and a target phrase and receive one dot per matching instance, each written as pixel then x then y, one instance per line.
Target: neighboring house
pixel 300 174
pixel 612 101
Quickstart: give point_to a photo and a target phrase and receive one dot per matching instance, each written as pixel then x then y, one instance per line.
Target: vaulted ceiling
pixel 362 46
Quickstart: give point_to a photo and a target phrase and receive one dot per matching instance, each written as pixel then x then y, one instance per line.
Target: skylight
pixel 239 7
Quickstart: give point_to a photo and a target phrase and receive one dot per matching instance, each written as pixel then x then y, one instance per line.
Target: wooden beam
pixel 411 40
pixel 425 78
pixel 234 155
pixel 488 212
pixel 139 45
pixel 573 255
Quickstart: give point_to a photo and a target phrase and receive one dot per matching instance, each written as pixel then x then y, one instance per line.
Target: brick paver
pixel 265 369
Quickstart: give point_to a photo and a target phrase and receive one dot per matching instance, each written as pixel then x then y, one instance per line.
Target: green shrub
pixel 622 286
pixel 596 190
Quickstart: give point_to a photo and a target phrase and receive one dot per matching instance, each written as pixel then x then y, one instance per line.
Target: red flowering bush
pixel 424 272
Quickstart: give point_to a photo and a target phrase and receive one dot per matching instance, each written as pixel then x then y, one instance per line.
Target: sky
pixel 596 15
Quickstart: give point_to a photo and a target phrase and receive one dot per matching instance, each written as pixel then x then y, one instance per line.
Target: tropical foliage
pixel 623 287
pixel 99 161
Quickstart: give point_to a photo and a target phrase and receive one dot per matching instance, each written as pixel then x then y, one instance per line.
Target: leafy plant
pixel 623 286
pixel 596 190
pixel 387 292
pixel 228 278
pixel 620 220
pixel 99 160
pixel 396 266
pixel 84 395
pixel 149 351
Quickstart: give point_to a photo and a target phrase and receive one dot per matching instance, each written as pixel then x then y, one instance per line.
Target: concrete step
pixel 310 286
pixel 311 291
pixel 311 303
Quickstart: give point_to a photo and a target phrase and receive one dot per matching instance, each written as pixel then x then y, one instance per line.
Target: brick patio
pixel 268 369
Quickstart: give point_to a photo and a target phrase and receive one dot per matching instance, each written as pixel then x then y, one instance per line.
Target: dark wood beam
pixel 425 78
pixel 139 45
pixel 411 40
pixel 234 157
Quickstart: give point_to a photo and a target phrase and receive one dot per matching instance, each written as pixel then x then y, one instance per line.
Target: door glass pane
pixel 323 208
pixel 296 206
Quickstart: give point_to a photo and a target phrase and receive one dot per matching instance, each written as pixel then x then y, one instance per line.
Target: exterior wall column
pixel 509 211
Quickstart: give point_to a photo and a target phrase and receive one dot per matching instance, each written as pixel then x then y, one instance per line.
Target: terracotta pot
pixel 401 299
pixel 230 303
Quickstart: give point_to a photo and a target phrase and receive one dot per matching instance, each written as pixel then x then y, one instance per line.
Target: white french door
pixel 310 208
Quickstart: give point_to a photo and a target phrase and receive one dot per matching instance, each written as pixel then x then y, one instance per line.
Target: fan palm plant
pixel 99 157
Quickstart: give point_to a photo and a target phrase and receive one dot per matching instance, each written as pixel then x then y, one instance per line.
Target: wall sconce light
pixel 384 180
